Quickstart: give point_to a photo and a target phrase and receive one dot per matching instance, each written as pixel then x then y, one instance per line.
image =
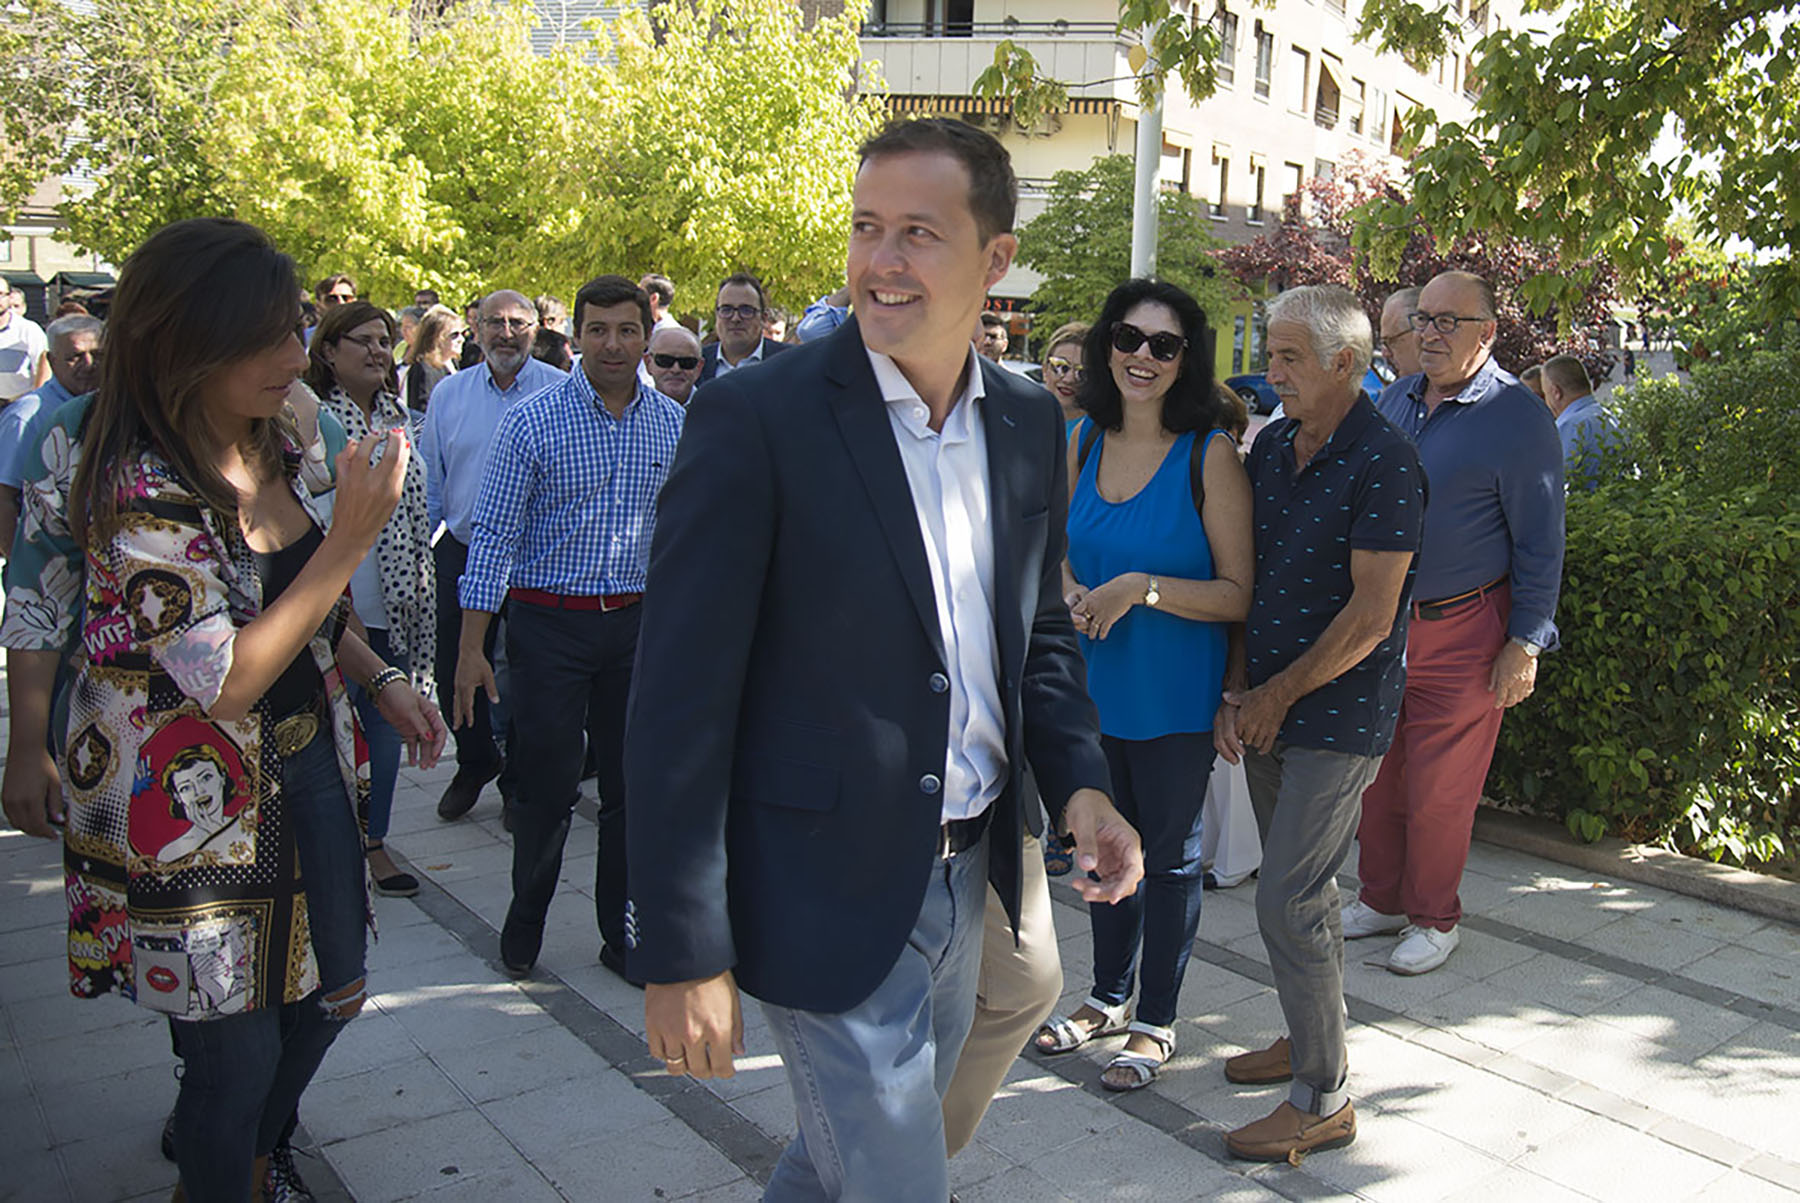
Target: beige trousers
pixel 1017 989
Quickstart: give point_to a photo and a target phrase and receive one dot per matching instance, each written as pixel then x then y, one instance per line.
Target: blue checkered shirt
pixel 568 498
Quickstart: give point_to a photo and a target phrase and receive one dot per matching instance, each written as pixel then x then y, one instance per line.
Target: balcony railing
pixel 1325 116
pixel 1008 28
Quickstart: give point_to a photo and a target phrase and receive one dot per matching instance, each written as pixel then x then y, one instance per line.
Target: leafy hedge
pixel 1672 713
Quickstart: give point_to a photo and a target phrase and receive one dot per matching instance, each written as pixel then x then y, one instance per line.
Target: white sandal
pixel 1143 1067
pixel 1066 1035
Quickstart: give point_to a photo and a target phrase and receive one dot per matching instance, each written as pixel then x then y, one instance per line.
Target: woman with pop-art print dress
pixel 214 771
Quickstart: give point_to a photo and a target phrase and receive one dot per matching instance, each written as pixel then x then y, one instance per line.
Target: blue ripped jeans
pixel 245 1073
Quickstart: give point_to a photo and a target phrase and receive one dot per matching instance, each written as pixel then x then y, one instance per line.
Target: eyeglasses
pixel 514 324
pixel 686 363
pixel 338 298
pixel 1056 365
pixel 1443 323
pixel 1127 338
pixel 1388 340
pixel 741 312
pixel 371 345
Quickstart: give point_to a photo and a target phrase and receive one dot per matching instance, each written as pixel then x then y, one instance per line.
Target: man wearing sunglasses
pixel 738 317
pixel 1484 607
pixel 673 361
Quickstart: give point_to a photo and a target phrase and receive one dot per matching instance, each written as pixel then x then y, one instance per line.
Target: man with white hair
pixel 1313 685
pixel 1399 341
pixel 22 346
pixel 459 427
pixel 673 362
pixel 74 343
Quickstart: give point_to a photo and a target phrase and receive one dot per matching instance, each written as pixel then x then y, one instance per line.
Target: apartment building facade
pixel 1297 95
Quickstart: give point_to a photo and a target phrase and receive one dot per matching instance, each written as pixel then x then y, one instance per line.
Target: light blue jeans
pixel 869 1083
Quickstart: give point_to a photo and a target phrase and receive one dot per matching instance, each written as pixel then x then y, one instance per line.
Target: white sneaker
pixel 1361 919
pixel 1422 949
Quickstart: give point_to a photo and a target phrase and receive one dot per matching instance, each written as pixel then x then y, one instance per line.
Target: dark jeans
pixel 574 667
pixel 477 754
pixel 245 1073
pixel 384 743
pixel 1159 785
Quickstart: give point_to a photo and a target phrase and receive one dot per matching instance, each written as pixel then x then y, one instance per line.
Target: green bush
pixel 1672 713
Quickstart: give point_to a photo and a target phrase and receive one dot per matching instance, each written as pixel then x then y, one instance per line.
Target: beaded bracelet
pixel 383 679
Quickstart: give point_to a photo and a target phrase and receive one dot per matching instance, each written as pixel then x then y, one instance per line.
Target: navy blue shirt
pixel 1363 490
pixel 1495 465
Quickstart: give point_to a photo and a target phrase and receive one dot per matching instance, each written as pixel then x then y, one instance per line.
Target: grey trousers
pixel 1307 803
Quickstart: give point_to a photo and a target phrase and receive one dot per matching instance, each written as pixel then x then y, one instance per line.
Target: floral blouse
pixel 180 865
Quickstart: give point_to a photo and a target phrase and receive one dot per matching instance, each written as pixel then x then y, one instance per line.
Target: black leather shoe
pixel 519 945
pixel 459 796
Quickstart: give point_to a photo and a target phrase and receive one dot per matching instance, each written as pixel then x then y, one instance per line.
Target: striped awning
pixel 983 104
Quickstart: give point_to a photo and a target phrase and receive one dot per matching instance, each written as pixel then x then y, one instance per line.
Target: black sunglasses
pixel 1127 338
pixel 686 363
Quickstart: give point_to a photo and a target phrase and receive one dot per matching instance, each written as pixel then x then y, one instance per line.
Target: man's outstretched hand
pixel 1105 845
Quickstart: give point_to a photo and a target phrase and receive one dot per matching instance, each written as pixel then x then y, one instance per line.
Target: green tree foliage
pixel 1081 243
pixel 1711 304
pixel 728 144
pixel 415 144
pixel 1558 149
pixel 1672 712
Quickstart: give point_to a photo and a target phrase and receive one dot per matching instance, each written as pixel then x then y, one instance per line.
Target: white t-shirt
pixel 22 344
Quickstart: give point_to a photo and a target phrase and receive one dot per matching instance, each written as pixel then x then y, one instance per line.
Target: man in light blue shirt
pixel 74 349
pixel 466 408
pixel 1588 432
pixel 561 534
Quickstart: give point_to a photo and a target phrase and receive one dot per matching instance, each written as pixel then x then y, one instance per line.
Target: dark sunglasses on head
pixel 1127 338
pixel 686 363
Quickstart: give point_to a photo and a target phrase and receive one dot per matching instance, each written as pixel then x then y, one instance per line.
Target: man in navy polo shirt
pixel 1313 685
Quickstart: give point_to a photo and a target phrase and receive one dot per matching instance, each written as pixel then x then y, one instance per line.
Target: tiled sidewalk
pixel 1589 1040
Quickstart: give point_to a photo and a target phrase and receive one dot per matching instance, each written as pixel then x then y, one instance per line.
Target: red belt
pixel 605 603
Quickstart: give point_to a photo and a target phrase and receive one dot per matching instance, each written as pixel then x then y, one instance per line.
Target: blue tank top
pixel 1154 674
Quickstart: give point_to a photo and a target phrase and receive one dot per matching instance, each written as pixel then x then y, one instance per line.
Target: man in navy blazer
pixel 738 312
pixel 853 641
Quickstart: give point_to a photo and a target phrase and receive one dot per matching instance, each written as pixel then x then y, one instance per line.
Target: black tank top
pixel 300 683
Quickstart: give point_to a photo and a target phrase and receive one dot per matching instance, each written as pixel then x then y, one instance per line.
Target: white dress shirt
pixel 754 357
pixel 948 474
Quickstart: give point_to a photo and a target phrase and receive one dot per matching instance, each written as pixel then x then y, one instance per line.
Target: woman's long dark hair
pixel 1190 403
pixel 338 321
pixel 197 296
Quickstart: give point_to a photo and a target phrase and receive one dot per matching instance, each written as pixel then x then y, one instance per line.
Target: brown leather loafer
pixel 1262 1067
pixel 1289 1131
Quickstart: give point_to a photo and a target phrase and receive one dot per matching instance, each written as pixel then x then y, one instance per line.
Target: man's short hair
pixel 1408 299
pixel 414 312
pixel 73 324
pixel 1482 288
pixel 1534 372
pixel 604 291
pixel 993 189
pixel 688 336
pixel 425 298
pixel 552 347
pixel 1333 319
pixel 551 312
pixel 1569 375
pixel 331 282
pixel 746 280
pixel 990 318
pixel 660 287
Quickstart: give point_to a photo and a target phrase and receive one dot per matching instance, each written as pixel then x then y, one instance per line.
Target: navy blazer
pixel 788 701
pixel 709 358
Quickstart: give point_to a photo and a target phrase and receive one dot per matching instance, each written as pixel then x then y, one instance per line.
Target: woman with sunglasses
pixel 1062 369
pixel 1159 562
pixel 436 346
pixel 350 365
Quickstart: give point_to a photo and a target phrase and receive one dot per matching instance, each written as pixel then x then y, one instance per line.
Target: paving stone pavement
pixel 1590 1039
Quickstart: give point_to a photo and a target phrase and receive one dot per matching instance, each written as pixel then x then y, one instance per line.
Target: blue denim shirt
pixel 1588 433
pixel 1495 467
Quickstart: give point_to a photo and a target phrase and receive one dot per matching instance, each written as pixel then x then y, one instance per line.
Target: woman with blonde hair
pixel 432 354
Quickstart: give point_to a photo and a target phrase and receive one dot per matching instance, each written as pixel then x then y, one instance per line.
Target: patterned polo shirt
pixel 1363 490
